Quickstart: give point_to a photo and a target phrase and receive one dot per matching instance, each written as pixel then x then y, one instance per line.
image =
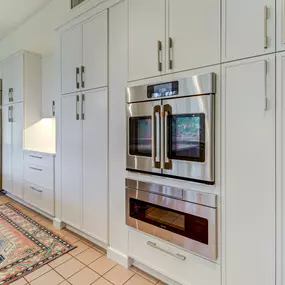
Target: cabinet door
pixel 71 160
pixel 194 32
pixel 146 38
pixel 71 60
pixel 17 149
pixel 95 52
pixel 7 183
pixel 280 25
pixel 247 30
pixel 95 149
pixel 249 171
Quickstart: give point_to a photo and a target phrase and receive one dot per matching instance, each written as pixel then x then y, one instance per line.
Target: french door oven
pixel 171 128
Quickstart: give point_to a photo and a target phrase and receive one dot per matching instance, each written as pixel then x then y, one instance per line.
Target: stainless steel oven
pixel 171 128
pixel 183 217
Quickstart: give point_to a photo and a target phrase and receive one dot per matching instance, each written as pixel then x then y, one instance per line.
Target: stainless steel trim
pixel 167 110
pixel 77 78
pixel 170 53
pixel 265 86
pixel 35 189
pixel 206 250
pixel 37 169
pixel 206 199
pixel 191 86
pixel 35 156
pixel 82 76
pixel 159 55
pixel 156 162
pixel 265 27
pixel 83 107
pixel 176 255
pixel 77 102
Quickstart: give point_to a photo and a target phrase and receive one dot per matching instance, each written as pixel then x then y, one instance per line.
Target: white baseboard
pixel 119 257
pixel 58 224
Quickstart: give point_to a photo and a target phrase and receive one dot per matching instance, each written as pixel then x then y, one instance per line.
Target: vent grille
pixel 75 3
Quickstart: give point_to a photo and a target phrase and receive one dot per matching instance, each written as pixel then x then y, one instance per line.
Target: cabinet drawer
pixel 39 175
pixel 39 197
pixel 38 159
pixel 171 261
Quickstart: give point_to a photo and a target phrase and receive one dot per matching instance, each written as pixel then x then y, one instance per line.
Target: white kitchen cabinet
pixel 248 28
pixel 249 171
pixel 71 168
pixel 146 38
pixel 84 51
pixel 7 181
pixel 84 162
pixel 280 25
pixel 94 168
pixel 193 34
pixel 95 51
pixel 71 59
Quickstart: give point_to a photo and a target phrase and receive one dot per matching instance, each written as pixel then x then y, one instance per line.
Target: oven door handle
pixel 167 111
pixel 156 139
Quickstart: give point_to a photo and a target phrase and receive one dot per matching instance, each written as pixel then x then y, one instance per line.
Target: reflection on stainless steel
pixel 187 154
pixel 168 213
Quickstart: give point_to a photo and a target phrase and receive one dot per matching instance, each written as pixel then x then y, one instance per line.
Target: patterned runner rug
pixel 25 245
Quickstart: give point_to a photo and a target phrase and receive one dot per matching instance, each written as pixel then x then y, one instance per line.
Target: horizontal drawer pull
pixel 35 189
pixel 34 168
pixel 177 255
pixel 34 156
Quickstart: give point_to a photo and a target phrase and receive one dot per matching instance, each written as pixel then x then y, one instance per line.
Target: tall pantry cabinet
pixel 21 100
pixel 84 126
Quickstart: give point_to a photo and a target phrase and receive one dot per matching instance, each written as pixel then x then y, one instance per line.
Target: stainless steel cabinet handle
pixel 77 102
pixel 53 108
pixel 77 78
pixel 34 156
pixel 35 189
pixel 170 53
pixel 156 128
pixel 177 255
pixel 82 76
pixel 167 111
pixel 159 55
pixel 265 85
pixel 83 107
pixel 37 169
pixel 11 114
pixel 265 27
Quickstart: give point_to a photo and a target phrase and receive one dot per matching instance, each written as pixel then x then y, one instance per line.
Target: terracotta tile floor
pixel 85 265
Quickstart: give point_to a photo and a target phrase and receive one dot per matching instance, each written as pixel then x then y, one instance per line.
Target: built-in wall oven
pixel 183 217
pixel 171 128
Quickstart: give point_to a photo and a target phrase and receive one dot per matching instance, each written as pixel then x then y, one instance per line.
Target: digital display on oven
pixel 163 90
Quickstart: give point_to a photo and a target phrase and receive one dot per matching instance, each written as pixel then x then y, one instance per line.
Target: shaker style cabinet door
pixel 71 60
pixel 95 52
pixel 248 28
pixel 17 115
pixel 95 157
pixel 146 38
pixel 249 171
pixel 71 160
pixel 7 183
pixel 194 34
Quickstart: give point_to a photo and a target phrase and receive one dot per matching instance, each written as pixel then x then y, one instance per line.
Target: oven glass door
pixel 184 224
pixel 189 137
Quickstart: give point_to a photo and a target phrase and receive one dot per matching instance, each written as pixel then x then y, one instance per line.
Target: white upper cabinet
pixel 248 28
pixel 280 28
pixel 95 52
pixel 71 59
pixel 249 171
pixel 146 38
pixel 84 51
pixel 194 34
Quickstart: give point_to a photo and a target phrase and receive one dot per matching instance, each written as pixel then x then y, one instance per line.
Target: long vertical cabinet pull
pixel 265 27
pixel 82 76
pixel 77 103
pixel 77 78
pixel 170 53
pixel 83 107
pixel 11 116
pixel 265 85
pixel 159 55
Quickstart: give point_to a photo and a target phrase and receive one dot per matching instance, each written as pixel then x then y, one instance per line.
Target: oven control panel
pixel 163 90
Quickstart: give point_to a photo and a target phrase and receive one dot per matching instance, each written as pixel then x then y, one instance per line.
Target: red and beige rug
pixel 25 245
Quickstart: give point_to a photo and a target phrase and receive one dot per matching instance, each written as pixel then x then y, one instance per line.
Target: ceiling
pixel 14 12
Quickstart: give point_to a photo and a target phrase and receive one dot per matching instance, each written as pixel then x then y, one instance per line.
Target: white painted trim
pixel 58 224
pixel 119 257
